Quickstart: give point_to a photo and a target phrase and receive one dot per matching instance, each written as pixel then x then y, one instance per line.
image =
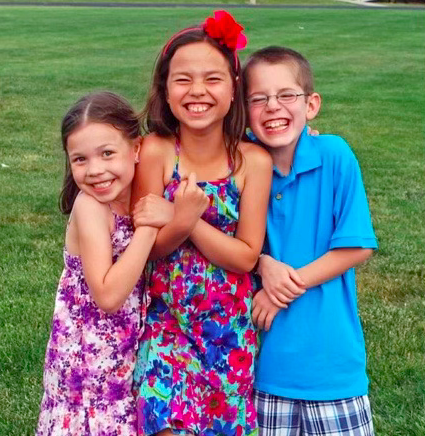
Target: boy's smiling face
pixel 275 124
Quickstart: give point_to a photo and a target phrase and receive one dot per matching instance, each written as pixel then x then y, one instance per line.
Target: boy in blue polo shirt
pixel 311 371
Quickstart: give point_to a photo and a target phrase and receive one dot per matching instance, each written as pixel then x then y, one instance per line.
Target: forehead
pixel 198 56
pixel 264 76
pixel 93 135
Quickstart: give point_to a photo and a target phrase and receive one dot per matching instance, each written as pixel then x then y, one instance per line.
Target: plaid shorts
pixel 279 416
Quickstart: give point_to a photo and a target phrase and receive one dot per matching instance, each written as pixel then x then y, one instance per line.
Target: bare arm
pixel 332 264
pixel 283 284
pixel 149 179
pixel 110 283
pixel 240 253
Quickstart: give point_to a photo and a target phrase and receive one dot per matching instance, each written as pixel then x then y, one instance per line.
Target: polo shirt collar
pixel 306 157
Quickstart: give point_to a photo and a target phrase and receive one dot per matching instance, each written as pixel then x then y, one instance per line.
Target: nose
pixel 95 167
pixel 272 104
pixel 197 88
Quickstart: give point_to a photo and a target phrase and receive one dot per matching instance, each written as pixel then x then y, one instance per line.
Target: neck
pixel 283 157
pixel 202 146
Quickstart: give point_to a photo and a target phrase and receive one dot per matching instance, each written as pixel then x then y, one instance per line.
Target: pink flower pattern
pixel 90 356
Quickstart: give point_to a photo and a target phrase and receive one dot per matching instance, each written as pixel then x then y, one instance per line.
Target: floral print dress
pixel 91 356
pixel 194 372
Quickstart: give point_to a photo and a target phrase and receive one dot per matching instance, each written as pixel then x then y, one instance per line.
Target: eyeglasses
pixel 285 97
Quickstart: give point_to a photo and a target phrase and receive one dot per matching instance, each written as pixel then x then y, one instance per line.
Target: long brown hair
pixel 157 117
pixel 101 107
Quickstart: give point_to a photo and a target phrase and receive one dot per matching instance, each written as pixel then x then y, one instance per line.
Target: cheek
pixel 254 117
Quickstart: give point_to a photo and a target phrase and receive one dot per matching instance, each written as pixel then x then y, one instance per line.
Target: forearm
pixel 332 264
pixel 223 250
pixel 124 274
pixel 169 238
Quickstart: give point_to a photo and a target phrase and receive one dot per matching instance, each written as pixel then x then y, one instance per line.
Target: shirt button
pixel 278 196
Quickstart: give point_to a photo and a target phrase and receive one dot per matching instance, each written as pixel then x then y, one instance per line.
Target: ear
pixel 137 144
pixel 313 105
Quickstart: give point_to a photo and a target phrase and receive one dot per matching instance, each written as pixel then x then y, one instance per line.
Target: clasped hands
pixel 190 202
pixel 281 286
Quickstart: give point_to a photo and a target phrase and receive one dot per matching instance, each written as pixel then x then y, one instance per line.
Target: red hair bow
pixel 226 30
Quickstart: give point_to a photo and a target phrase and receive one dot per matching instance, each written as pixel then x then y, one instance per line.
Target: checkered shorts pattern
pixel 278 416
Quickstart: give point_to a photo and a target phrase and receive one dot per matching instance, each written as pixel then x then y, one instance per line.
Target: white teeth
pixel 197 107
pixel 102 185
pixel 276 124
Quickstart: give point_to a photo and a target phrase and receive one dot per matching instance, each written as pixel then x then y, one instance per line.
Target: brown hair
pixel 101 107
pixel 276 55
pixel 157 116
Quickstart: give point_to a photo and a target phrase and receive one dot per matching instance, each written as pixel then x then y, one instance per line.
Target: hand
pixel 152 210
pixel 280 281
pixel 312 132
pixel 263 310
pixel 190 202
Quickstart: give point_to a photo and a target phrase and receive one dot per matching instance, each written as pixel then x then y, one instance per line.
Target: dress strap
pixel 176 174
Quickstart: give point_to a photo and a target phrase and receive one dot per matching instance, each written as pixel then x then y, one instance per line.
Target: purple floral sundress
pixel 195 365
pixel 91 355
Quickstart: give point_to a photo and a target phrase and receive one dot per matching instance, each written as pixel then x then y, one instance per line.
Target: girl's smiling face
pixel 199 86
pixel 102 162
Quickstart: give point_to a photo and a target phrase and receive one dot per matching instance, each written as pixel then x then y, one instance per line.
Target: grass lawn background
pixel 369 67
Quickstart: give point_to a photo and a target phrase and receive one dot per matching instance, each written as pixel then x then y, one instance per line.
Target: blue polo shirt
pixel 315 349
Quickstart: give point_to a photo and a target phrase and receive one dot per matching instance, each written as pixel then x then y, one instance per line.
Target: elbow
pixel 246 265
pixel 366 254
pixel 108 305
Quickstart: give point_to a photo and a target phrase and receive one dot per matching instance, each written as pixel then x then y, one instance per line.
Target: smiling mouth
pixel 197 108
pixel 102 185
pixel 276 125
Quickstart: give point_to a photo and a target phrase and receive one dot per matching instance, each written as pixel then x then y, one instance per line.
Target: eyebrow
pixel 99 147
pixel 206 73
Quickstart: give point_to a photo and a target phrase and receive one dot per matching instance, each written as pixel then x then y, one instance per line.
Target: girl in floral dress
pixel 92 349
pixel 194 373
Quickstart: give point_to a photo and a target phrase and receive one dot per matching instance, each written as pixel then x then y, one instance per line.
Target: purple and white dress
pixel 91 355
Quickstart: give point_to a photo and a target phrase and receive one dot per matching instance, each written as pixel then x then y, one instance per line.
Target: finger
pixel 268 321
pixel 191 181
pixel 255 312
pixel 278 301
pixel 296 278
pixel 261 319
pixel 180 190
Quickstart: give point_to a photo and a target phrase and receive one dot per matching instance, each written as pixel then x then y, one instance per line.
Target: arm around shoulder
pixel 110 283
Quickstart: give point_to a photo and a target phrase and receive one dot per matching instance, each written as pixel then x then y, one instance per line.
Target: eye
pixel 213 79
pixel 287 96
pixel 78 159
pixel 257 100
pixel 181 80
pixel 107 153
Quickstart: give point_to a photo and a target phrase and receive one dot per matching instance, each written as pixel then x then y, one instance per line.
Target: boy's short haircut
pixel 275 55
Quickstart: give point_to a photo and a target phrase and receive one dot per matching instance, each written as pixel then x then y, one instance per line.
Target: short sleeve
pixel 353 225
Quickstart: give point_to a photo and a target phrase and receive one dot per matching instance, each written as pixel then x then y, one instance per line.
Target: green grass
pixel 369 67
pixel 206 2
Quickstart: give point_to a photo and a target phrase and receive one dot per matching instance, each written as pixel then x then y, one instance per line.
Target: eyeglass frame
pixel 266 102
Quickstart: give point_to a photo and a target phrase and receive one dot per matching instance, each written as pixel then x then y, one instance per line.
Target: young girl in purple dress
pixel 91 353
pixel 194 373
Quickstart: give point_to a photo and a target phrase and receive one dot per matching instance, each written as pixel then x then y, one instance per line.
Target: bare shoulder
pixel 255 156
pixel 155 146
pixel 87 208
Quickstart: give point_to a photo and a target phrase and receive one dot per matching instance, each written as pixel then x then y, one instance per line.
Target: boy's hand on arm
pixel 263 310
pixel 332 264
pixel 153 210
pixel 281 282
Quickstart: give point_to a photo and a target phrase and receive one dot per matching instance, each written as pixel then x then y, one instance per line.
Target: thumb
pixel 191 180
pixel 181 188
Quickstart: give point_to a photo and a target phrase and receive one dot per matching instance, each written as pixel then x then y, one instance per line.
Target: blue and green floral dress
pixel 195 367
